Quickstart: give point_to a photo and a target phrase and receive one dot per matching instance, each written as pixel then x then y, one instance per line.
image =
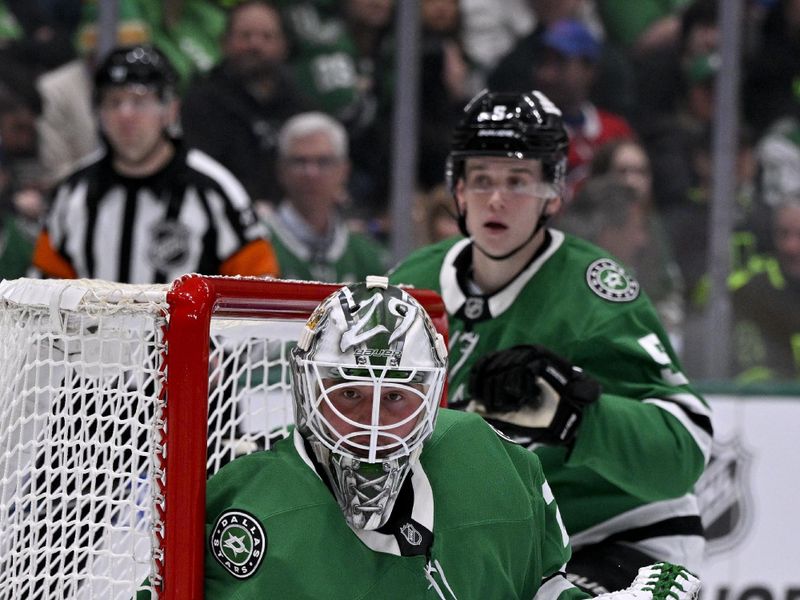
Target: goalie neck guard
pixel 368 374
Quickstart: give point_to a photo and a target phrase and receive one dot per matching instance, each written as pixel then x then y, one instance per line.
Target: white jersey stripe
pixel 701 437
pixel 172 216
pixel 231 186
pixel 227 240
pixel 109 222
pixel 553 588
pixel 688 552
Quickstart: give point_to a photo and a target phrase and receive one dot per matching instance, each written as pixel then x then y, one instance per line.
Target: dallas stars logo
pixel 238 542
pixel 611 282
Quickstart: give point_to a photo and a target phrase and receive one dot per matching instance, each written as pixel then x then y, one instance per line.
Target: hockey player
pixel 147 209
pixel 377 493
pixel 554 343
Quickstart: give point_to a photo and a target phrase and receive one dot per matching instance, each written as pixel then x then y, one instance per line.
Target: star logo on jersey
pixel 610 281
pixel 238 542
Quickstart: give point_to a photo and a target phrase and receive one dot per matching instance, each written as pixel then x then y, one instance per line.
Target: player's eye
pixel 394 397
pixel 350 394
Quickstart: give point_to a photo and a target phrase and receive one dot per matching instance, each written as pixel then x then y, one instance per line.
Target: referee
pixel 146 209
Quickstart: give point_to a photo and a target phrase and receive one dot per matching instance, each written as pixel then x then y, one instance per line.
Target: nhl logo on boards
pixel 723 492
pixel 238 543
pixel 610 281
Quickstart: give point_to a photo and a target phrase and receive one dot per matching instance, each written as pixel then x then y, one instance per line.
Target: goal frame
pixel 193 301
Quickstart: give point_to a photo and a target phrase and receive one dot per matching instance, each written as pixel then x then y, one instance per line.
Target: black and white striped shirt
pixel 192 215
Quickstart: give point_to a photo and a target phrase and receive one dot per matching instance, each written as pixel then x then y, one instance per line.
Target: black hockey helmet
pixel 142 64
pixel 526 125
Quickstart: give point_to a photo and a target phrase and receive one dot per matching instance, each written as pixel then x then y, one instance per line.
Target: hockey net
pixel 116 403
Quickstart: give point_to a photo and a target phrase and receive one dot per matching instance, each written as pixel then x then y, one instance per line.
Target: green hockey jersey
pixel 346 257
pixel 642 446
pixel 475 520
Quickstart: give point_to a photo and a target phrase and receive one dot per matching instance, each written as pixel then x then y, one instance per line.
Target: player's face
pixel 133 119
pixel 787 239
pixel 504 199
pixel 255 42
pixel 351 409
pixel 313 176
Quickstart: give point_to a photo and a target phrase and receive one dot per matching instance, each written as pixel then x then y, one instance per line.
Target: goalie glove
pixel 660 581
pixel 531 393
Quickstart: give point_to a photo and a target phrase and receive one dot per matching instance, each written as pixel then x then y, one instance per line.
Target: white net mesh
pixel 81 415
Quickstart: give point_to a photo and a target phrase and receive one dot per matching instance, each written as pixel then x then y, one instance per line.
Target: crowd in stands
pixel 634 79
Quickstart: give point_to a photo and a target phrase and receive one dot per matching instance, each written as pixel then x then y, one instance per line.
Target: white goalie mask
pixel 368 374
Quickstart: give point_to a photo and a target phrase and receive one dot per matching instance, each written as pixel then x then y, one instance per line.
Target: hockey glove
pixel 531 393
pixel 660 581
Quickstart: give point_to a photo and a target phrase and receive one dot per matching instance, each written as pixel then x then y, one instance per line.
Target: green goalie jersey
pixel 642 446
pixel 475 520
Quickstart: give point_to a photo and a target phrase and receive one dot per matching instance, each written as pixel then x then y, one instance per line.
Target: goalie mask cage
pixel 116 403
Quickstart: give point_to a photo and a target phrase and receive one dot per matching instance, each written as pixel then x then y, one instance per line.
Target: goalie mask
pixel 368 374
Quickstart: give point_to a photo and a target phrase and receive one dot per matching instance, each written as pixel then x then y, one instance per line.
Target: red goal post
pixel 116 402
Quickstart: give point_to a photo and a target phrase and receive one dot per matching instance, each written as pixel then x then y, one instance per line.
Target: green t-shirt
pixel 350 256
pixel 16 249
pixel 625 20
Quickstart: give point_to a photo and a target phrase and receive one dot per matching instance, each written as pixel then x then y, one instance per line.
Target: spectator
pixel 642 26
pixel 491 30
pixel 553 343
pixel 311 239
pixel 186 31
pixel 607 212
pixel 433 216
pixel 654 263
pixel 565 73
pixel 448 80
pixel 778 158
pixel 771 91
pixel 22 200
pixel 765 308
pixel 514 70
pixel 675 98
pixel 148 209
pixel 235 112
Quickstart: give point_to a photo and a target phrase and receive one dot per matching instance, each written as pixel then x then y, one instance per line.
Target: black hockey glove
pixel 529 392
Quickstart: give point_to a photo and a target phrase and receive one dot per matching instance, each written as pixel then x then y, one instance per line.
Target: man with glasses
pixel 310 237
pixel 147 209
pixel 552 341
